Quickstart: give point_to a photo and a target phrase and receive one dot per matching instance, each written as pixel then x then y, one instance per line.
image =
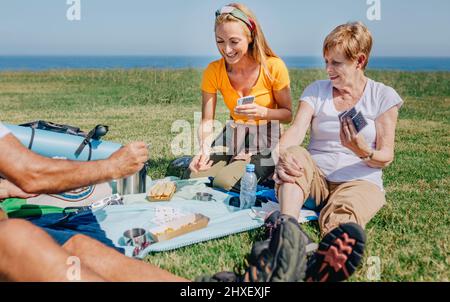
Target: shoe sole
pixel 339 254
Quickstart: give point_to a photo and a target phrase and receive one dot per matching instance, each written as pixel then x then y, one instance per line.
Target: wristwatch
pixel 369 157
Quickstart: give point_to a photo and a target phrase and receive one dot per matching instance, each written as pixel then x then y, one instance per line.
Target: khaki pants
pixel 354 201
pixel 227 173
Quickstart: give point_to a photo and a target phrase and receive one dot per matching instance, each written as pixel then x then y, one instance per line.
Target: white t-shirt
pixel 338 163
pixel 3 130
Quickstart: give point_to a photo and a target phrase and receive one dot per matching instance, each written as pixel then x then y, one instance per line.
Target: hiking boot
pixel 282 259
pixel 270 225
pixel 339 254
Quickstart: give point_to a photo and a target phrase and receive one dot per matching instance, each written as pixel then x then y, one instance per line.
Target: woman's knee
pixel 300 153
pixel 230 175
pixel 224 181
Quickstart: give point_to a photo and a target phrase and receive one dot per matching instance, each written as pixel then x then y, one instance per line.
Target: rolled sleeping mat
pixel 53 144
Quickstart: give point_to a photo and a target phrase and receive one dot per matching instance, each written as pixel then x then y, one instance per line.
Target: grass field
pixel 410 235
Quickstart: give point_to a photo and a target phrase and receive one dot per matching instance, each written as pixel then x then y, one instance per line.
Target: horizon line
pixel 202 55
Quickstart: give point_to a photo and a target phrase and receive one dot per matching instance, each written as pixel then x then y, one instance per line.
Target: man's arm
pixel 37 174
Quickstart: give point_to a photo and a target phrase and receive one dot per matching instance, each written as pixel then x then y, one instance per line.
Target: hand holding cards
pixel 246 100
pixel 357 118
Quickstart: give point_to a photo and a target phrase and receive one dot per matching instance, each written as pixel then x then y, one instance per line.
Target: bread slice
pixel 162 191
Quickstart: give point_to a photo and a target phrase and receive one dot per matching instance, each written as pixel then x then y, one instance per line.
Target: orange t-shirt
pixel 215 78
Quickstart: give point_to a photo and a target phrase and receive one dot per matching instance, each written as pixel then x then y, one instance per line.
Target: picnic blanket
pixel 137 212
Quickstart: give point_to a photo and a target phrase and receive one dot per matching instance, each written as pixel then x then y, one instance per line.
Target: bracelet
pixel 369 157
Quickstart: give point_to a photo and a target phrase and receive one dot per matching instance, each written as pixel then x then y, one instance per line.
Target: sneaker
pixel 339 254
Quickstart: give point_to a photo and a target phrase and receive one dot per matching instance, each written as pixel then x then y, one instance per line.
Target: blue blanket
pixel 139 213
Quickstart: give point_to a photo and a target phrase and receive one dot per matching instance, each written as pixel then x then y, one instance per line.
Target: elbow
pixel 288 117
pixel 389 160
pixel 382 164
pixel 388 163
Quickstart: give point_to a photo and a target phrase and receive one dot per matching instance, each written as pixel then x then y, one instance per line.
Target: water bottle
pixel 248 187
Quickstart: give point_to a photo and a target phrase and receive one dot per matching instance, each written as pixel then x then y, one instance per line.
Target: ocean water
pixel 39 63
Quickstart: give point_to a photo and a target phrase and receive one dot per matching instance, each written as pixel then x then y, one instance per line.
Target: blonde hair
pixel 352 38
pixel 259 48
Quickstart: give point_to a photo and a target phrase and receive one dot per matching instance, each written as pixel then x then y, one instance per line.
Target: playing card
pixel 246 100
pixel 348 113
pixel 359 122
pixel 341 114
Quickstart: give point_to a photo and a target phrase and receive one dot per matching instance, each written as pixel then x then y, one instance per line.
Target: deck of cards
pixel 357 118
pixel 245 100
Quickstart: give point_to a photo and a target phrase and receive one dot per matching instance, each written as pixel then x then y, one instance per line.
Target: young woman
pixel 248 67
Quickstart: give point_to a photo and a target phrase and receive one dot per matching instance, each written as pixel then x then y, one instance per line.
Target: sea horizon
pixel 44 62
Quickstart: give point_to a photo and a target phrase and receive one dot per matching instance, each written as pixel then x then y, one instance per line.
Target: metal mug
pixel 136 237
pixel 204 196
pixel 133 184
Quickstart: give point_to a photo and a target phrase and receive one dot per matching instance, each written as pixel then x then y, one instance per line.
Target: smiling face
pixel 341 71
pixel 232 41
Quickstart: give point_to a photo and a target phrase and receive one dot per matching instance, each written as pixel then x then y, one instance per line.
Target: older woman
pixel 342 168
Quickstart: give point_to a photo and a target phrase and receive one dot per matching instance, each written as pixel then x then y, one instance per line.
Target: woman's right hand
pixel 201 162
pixel 287 169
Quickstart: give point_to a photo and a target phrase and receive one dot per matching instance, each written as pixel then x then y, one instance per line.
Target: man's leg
pixel 29 254
pixel 349 208
pixel 112 265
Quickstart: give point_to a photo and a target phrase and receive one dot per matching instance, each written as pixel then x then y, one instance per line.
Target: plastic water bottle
pixel 248 187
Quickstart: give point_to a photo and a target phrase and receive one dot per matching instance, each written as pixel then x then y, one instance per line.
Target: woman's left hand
pixel 252 111
pixel 352 140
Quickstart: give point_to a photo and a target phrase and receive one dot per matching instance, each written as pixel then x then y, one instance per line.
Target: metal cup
pixel 136 237
pixel 204 196
pixel 133 184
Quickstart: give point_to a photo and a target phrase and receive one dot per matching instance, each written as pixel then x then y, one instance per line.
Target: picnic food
pixel 179 226
pixel 162 191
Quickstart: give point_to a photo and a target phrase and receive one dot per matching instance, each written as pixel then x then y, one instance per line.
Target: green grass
pixel 410 234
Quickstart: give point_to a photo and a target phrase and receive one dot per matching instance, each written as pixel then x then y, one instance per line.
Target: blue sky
pixel 185 27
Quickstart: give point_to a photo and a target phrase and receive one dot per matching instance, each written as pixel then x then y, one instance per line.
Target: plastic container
pixel 249 183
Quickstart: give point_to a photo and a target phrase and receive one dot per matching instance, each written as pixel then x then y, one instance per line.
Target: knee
pixel 224 181
pixel 77 244
pixel 298 151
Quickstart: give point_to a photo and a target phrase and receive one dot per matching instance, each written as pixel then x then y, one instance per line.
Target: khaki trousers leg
pixel 219 162
pixel 354 201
